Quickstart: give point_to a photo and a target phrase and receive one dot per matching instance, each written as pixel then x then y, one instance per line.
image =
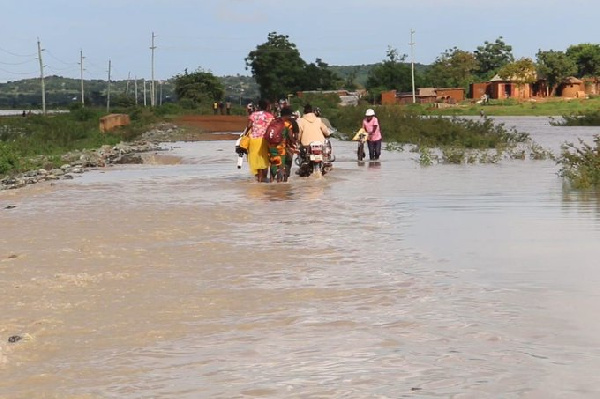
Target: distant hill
pixel 61 92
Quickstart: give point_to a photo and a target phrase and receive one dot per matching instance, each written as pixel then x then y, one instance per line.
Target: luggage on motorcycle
pixel 274 133
pixel 357 137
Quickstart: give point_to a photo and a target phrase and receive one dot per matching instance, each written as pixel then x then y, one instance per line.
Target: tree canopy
pixel 198 86
pixel 392 73
pixel 555 66
pixel 279 69
pixel 587 59
pixel 522 71
pixel 493 56
pixel 453 68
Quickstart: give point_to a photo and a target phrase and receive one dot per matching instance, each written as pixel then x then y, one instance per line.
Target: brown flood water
pixel 380 280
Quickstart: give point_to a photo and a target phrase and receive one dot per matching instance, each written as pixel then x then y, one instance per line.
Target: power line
pixel 19 63
pixel 59 60
pixel 17 73
pixel 17 55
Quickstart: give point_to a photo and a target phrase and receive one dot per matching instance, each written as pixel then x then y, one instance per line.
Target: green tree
pixel 587 59
pixel 555 66
pixel 391 74
pixel 198 87
pixel 277 67
pixel 318 76
pixel 493 56
pixel 522 71
pixel 453 68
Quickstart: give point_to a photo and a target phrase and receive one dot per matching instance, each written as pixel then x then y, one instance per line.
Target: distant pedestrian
pixel 24 114
pixel 374 137
pixel 215 107
pixel 228 108
pixel 222 107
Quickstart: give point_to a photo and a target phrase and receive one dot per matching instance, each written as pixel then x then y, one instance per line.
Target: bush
pixel 9 158
pixel 409 127
pixel 581 165
pixel 589 118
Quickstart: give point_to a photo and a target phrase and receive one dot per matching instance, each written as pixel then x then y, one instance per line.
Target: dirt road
pixel 205 127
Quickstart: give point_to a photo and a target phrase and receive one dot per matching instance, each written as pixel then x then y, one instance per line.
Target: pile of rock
pixel 77 162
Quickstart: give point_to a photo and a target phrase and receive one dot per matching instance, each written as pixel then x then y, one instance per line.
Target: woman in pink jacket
pixel 374 138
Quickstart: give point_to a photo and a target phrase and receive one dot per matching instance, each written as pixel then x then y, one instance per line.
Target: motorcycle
pixel 315 158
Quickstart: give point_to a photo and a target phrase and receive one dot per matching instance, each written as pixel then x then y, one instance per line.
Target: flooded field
pixel 380 280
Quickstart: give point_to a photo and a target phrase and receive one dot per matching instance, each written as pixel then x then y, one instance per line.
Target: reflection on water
pixel 382 279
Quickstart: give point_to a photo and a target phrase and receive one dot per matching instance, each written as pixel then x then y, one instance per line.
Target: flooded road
pixel 381 280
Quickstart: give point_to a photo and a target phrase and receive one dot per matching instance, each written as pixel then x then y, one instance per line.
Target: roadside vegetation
pixel 38 141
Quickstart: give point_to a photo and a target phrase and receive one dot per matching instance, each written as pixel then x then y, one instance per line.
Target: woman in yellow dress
pixel 258 150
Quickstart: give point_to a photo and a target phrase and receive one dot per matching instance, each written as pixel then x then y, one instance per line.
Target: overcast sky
pixel 217 35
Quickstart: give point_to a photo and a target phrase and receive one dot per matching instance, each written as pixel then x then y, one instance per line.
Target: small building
pixel 572 87
pixel 424 95
pixel 502 88
pixel 478 90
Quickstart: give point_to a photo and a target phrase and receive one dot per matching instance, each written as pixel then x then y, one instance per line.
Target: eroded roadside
pixel 149 149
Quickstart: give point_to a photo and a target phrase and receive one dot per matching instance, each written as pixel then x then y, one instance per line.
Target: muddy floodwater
pixel 380 280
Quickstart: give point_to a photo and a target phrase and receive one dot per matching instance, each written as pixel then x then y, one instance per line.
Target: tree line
pixel 279 70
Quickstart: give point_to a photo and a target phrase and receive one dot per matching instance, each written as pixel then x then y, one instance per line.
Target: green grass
pixel 38 140
pixel 547 107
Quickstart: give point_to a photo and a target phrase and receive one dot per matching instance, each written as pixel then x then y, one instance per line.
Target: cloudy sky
pixel 216 35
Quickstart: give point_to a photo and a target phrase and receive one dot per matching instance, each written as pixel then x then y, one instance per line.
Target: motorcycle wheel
pixel 317 170
pixel 361 152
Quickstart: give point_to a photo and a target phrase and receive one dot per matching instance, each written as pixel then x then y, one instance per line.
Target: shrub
pixel 408 127
pixel 581 164
pixel 9 158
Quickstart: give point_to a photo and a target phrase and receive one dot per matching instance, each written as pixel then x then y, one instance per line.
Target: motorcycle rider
pixel 311 127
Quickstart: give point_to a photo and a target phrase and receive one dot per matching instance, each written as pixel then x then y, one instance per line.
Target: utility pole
pixel 81 57
pixel 108 89
pixel 412 64
pixel 42 76
pixel 152 89
pixel 135 90
pixel 144 82
pixel 161 92
pixel 127 85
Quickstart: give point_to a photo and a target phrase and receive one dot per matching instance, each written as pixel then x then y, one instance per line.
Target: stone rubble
pixel 77 162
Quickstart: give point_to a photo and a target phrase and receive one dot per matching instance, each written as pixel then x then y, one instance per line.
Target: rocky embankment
pixel 77 162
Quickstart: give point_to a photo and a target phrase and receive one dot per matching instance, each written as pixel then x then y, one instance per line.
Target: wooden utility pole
pixel 81 57
pixel 135 90
pixel 412 64
pixel 42 76
pixel 152 88
pixel 108 89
